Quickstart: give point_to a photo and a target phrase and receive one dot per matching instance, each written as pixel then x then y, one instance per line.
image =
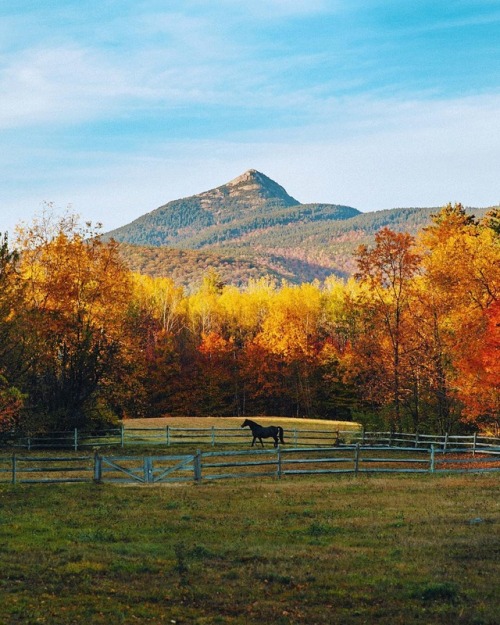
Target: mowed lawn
pixel 323 550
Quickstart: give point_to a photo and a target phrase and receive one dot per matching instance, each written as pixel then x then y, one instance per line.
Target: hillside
pixel 251 227
pixel 248 204
pixel 237 267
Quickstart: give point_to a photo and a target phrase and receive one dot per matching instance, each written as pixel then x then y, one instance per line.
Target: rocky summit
pixel 255 188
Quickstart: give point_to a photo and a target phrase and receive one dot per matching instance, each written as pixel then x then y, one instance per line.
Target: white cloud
pixel 271 103
pixel 397 154
pixel 58 84
pixel 62 85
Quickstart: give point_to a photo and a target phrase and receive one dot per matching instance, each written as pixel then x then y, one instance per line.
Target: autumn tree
pixel 219 369
pixel 157 322
pixel 287 346
pixel 77 298
pixel 460 283
pixel 491 220
pixel 479 385
pixel 11 365
pixel 387 270
pixel 348 389
pixel 203 311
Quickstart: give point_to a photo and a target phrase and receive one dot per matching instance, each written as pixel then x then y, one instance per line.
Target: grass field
pixel 229 432
pixel 234 422
pixel 347 550
pixel 237 421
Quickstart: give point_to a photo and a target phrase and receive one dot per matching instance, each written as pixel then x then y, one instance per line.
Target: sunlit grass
pixel 228 430
pixel 230 422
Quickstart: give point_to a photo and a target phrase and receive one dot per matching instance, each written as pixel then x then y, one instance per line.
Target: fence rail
pixel 36 470
pixel 253 463
pixel 214 436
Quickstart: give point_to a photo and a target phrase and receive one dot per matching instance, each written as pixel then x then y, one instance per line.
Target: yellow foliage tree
pixel 77 297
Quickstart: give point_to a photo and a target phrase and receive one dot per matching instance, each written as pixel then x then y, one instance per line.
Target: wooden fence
pixel 31 469
pixel 254 463
pixel 215 436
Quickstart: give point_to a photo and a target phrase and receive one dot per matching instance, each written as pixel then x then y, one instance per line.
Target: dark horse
pixel 260 432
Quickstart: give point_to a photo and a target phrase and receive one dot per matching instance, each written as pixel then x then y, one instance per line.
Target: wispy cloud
pixel 269 9
pixel 370 154
pixel 58 84
pixel 373 104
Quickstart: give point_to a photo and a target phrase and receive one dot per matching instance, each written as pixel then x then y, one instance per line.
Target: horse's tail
pixel 280 434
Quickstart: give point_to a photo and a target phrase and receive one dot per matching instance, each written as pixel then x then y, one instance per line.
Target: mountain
pixel 251 227
pixel 252 202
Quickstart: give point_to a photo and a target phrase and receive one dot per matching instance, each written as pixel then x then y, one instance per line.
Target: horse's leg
pixel 261 442
pixel 254 439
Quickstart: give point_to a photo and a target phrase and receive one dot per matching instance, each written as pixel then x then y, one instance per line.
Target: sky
pixel 111 108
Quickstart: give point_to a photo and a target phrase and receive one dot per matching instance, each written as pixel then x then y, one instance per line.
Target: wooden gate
pixel 147 469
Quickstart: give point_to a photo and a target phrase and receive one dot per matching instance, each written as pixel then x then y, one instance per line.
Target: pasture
pixel 313 550
pixel 315 431
pixel 203 422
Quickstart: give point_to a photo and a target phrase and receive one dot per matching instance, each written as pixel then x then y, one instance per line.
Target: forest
pixel 410 342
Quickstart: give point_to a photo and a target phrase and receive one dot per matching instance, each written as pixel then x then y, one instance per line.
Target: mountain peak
pixel 251 175
pixel 237 211
pixel 255 184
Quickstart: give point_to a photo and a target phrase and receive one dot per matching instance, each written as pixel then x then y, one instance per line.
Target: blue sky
pixel 114 107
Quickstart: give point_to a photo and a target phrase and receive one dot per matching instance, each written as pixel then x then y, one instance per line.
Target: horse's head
pixel 245 424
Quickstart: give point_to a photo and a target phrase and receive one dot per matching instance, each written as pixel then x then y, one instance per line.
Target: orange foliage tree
pixel 460 284
pixel 387 271
pixel 77 296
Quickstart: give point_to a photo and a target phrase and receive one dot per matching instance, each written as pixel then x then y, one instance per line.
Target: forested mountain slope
pixel 248 204
pixel 251 227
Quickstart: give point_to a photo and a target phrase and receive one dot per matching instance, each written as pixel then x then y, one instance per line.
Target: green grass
pixel 324 550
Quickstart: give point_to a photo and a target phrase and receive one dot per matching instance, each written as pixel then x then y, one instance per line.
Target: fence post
pixel 197 466
pixel 295 437
pixel 122 436
pixel 279 462
pixel 213 436
pixel 168 436
pixel 363 437
pixel 416 439
pixel 445 443
pixel 432 460
pixel 474 445
pixel 97 468
pixel 356 459
pixel 14 476
pixel 76 439
pixel 148 469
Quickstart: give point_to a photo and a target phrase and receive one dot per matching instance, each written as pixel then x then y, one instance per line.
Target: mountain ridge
pixel 251 227
pixel 248 202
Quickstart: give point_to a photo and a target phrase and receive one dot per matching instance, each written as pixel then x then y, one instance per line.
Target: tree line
pixel 411 342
